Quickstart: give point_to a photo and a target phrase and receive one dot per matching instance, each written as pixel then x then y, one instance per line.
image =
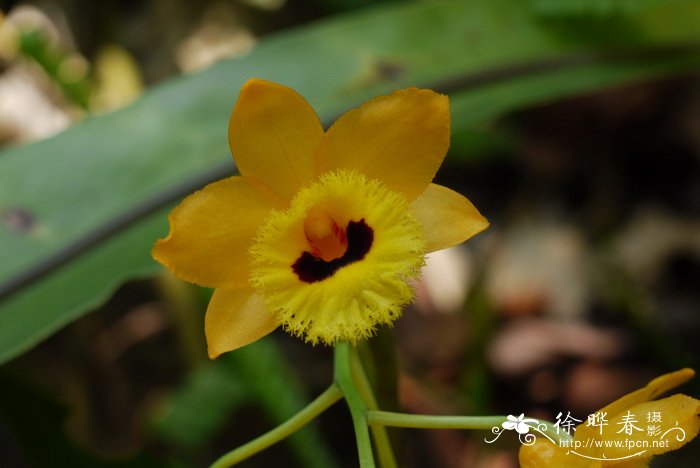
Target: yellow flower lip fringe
pixel 675 423
pixel 323 230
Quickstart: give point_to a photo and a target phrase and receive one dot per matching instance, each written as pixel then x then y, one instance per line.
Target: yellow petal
pixel 653 389
pixel 679 425
pixel 400 139
pixel 273 134
pixel 447 217
pixel 211 231
pixel 632 463
pixel 235 318
pixel 543 453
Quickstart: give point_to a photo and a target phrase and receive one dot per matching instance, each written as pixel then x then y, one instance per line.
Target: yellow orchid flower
pixel 322 231
pixel 627 432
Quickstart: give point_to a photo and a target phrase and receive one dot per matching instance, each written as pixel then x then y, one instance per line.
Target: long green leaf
pixel 492 56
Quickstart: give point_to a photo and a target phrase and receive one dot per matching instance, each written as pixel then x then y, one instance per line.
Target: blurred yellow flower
pixel 627 432
pixel 322 230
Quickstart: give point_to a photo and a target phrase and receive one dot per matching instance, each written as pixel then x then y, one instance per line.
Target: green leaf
pixel 80 286
pixel 80 211
pixel 494 100
pixel 603 8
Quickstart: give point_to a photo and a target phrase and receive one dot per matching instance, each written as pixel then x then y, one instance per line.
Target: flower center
pixel 337 263
pixel 311 268
pixel 326 239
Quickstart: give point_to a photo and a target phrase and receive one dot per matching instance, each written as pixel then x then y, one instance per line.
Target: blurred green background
pixel 576 132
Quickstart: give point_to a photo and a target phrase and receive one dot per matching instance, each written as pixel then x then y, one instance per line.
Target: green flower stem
pixel 381 439
pixel 358 410
pixel 351 383
pixel 387 418
pixel 287 428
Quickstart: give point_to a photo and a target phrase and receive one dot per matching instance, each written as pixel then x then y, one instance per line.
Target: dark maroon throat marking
pixel 311 269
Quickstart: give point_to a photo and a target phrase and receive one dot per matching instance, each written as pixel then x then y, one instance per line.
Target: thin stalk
pixel 387 418
pixel 358 410
pixel 287 428
pixel 364 388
